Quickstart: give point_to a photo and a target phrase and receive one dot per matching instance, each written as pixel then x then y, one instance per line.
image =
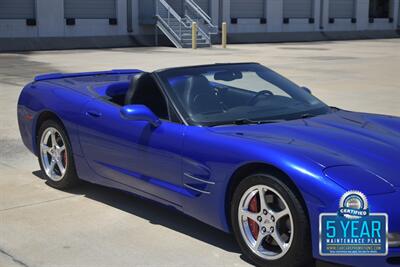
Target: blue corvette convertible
pixel 236 146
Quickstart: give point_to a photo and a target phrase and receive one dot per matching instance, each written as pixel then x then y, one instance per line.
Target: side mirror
pixel 139 113
pixel 306 89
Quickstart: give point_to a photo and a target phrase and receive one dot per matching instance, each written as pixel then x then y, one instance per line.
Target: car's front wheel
pixel 269 222
pixel 55 155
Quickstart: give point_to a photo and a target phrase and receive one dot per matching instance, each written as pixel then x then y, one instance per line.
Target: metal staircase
pixel 179 29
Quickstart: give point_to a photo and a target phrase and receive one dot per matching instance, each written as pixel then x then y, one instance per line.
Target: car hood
pixel 370 142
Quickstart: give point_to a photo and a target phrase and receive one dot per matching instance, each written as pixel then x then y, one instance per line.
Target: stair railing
pixel 199 29
pixel 167 15
pixel 195 13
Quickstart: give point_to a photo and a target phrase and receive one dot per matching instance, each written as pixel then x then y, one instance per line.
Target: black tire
pixel 70 177
pixel 300 252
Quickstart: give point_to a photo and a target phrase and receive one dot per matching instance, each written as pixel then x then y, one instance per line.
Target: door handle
pixel 93 113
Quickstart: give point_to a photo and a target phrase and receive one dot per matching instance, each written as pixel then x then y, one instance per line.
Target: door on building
pixel 379 8
pixel 248 9
pixel 298 8
pixel 99 9
pixel 342 9
pixel 17 9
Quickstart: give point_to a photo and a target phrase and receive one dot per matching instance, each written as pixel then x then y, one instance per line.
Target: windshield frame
pixel 186 118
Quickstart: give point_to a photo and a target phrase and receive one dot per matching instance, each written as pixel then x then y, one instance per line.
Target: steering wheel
pixel 254 99
pixel 220 91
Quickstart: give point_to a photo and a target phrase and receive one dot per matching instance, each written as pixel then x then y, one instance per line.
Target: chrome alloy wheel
pixel 53 154
pixel 265 222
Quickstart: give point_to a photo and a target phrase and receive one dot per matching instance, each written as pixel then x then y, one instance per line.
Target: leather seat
pixel 138 81
pixel 199 96
pixel 144 91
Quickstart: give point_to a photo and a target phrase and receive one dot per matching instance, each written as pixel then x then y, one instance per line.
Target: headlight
pixel 394 240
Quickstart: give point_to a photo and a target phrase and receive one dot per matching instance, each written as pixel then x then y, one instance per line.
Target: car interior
pixel 143 90
pixel 198 94
pixel 217 93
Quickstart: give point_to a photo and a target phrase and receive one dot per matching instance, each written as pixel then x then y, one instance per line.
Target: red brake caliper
pixel 254 207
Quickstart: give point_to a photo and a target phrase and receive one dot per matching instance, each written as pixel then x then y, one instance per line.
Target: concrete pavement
pixel 96 226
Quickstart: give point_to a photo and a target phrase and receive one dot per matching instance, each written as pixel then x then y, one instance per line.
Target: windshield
pixel 238 93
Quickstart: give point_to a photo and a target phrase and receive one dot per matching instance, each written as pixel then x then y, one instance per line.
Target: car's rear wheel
pixel 269 222
pixel 55 155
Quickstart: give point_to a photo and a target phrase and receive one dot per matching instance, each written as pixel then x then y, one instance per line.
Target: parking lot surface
pixel 96 226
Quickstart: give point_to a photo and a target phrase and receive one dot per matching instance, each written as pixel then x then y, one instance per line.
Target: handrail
pixel 170 29
pixel 171 10
pixel 203 15
pixel 177 27
pixel 202 32
pixel 166 21
pixel 199 10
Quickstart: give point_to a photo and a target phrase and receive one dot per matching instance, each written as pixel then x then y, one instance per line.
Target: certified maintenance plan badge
pixel 353 231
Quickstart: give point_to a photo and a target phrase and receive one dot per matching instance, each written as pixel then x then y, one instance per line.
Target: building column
pixel 274 15
pixel 396 14
pixel 214 14
pixel 362 14
pixel 137 28
pixel 226 12
pixel 324 14
pixel 317 14
pixel 50 18
pixel 122 16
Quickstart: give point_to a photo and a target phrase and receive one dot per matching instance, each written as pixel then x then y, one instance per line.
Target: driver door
pixel 134 153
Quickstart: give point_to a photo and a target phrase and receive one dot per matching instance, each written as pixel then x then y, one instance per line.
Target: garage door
pixel 341 8
pixel 298 8
pixel 247 9
pixel 90 9
pixel 177 5
pixel 17 9
pixel 204 4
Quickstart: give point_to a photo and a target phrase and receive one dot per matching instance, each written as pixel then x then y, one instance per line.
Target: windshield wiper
pixel 244 122
pixel 249 121
pixel 307 115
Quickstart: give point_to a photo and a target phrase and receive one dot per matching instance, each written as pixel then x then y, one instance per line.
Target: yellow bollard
pixel 224 35
pixel 194 35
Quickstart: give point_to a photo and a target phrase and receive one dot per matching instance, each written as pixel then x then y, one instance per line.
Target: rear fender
pixel 66 105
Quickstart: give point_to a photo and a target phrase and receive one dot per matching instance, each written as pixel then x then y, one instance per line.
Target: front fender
pixel 216 157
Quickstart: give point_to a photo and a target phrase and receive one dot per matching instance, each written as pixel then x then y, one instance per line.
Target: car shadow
pixel 165 216
pixel 155 213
